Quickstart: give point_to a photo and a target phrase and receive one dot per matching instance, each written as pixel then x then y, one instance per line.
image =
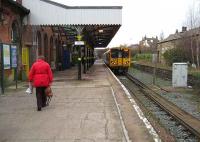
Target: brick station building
pixel 31 41
pixel 37 28
pixel 11 27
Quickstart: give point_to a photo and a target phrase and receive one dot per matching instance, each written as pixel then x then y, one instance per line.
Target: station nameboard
pixel 79 43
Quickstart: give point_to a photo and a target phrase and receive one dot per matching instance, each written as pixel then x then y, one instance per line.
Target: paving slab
pixel 80 111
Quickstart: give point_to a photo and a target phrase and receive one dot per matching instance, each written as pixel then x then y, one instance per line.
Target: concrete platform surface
pixel 80 111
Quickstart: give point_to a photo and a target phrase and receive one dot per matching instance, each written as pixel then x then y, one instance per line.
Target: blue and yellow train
pixel 118 59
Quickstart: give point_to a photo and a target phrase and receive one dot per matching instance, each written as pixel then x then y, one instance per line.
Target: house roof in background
pixel 179 35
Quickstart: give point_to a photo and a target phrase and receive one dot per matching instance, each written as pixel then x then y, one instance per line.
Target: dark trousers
pixel 41 97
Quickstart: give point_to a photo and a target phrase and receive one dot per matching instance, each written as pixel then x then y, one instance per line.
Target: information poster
pixel 6 56
pixel 13 56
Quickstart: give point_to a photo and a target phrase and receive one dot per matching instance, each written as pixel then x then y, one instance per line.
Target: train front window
pixel 125 54
pixel 114 53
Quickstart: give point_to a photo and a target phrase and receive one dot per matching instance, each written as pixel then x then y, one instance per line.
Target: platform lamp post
pixel 84 60
pixel 79 44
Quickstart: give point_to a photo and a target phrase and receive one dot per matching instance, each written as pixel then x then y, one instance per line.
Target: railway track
pixel 188 121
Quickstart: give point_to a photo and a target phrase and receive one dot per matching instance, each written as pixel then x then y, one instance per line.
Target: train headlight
pixel 113 62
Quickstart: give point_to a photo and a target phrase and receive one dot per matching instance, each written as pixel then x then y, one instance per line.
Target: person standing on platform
pixel 41 77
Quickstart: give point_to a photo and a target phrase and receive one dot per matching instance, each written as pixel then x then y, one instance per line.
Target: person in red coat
pixel 41 77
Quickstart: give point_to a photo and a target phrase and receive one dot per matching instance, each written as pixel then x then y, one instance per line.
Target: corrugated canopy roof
pixel 46 12
pixel 100 22
pixel 94 35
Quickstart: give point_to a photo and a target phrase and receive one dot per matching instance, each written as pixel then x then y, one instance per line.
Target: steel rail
pixel 186 119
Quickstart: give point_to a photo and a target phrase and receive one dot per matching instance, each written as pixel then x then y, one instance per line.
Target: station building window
pixel 46 53
pixel 39 45
pixel 14 33
pixel 51 49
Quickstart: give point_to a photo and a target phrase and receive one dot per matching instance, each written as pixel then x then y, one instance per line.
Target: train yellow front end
pixel 118 59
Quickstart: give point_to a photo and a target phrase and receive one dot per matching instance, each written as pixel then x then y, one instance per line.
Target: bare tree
pixel 197 34
pixel 197 51
pixel 192 23
pixel 162 36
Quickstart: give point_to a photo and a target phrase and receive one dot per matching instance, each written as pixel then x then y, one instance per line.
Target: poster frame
pixel 13 57
pixel 7 56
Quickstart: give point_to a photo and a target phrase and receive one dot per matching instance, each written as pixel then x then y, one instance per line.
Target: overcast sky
pixel 142 17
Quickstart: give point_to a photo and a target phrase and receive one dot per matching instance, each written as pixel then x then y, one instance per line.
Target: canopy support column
pixel 84 60
pixel 79 30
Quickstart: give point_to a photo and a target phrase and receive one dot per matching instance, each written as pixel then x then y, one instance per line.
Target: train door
pixel 120 58
pixel 126 59
pixel 114 58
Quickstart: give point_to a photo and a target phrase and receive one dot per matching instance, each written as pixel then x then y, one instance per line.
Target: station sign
pixel 79 43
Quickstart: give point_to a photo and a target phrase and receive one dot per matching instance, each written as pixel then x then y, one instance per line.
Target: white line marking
pixel 139 112
pixel 120 116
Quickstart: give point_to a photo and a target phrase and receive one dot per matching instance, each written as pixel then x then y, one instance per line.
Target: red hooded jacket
pixel 41 74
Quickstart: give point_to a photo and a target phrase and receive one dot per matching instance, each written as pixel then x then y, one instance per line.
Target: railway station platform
pixel 94 109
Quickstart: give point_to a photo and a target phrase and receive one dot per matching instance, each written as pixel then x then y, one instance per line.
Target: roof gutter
pixel 81 7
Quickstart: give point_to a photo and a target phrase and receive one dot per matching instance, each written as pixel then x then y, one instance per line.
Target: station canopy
pixel 99 23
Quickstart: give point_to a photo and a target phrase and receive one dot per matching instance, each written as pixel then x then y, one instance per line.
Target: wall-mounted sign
pixel 13 56
pixel 6 56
